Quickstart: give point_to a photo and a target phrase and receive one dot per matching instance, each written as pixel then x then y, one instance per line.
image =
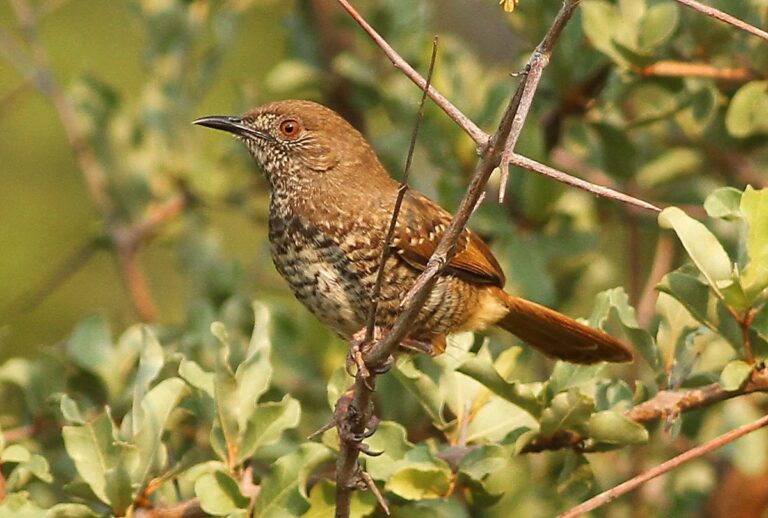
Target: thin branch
pixel 539 60
pixel 479 136
pixel 705 70
pixel 665 467
pixel 724 17
pixel 386 249
pixel 667 404
pixel 599 190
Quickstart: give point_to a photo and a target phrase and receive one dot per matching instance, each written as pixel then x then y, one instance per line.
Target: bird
pixel 331 201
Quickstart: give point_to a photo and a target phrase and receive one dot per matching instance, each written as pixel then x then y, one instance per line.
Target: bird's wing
pixel 420 226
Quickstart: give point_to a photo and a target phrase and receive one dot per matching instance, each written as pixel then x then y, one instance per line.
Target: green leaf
pixel 657 26
pixel 338 384
pixel 613 305
pixel 483 370
pixel 90 345
pixel 618 153
pixel 496 419
pixel 614 428
pixel 255 372
pixel 94 450
pixel 567 411
pixel 390 438
pixel 16 453
pixel 37 380
pixel 566 375
pixel 479 463
pixel 420 481
pixel 231 410
pixel 192 373
pixel 322 501
pixel 18 505
pixel 151 360
pixel 283 491
pixel 668 166
pixel 70 411
pixel 706 252
pixel 692 293
pixel 422 387
pixel 724 203
pixel 267 424
pixel 219 494
pixel 601 22
pixel 735 374
pixel 236 394
pixel 71 511
pixel 118 487
pixel 754 278
pixel 156 407
pixel 746 112
pixel 702 110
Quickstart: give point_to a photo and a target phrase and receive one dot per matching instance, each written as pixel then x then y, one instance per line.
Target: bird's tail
pixel 557 335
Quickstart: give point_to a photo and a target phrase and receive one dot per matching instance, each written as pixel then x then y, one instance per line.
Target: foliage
pixel 217 407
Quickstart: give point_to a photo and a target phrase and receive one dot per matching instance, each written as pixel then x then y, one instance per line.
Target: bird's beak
pixel 230 124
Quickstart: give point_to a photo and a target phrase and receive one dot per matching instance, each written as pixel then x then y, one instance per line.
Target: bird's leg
pixel 359 347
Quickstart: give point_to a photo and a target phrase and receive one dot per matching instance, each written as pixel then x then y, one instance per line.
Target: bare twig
pixel 724 17
pixel 599 190
pixel 667 404
pixel 479 136
pixel 683 69
pixel 530 84
pixel 385 252
pixel 694 453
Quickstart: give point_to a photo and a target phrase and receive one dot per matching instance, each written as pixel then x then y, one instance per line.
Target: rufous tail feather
pixel 559 336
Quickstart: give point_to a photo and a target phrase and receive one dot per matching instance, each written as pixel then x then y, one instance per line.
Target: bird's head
pixel 298 141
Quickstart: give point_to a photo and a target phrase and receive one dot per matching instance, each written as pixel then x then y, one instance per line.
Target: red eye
pixel 289 128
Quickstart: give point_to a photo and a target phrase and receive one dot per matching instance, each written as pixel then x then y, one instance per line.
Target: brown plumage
pixel 331 202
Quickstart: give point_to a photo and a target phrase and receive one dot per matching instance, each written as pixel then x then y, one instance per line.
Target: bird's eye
pixel 289 128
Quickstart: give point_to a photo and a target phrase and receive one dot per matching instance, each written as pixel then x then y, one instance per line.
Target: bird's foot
pixel 359 346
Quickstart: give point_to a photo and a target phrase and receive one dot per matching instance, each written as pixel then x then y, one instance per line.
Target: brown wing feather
pixel 420 226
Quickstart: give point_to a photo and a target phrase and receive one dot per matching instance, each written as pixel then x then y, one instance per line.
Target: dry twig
pixel 482 139
pixel 665 467
pixel 724 17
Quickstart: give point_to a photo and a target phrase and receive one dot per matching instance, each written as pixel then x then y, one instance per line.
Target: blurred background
pixel 96 100
pixel 48 218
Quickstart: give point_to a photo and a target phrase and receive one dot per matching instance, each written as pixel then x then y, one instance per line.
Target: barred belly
pixel 334 278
